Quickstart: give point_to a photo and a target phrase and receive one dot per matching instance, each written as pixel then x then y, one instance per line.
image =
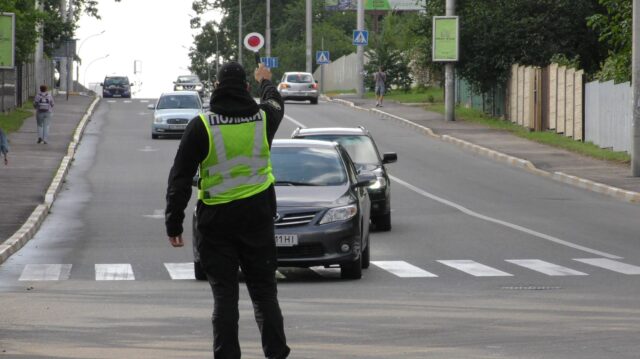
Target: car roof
pixel 303 143
pixel 331 131
pixel 108 76
pixel 297 73
pixel 180 93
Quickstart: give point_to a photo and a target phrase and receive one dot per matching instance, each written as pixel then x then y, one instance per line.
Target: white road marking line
pixel 36 272
pixel 127 101
pixel 611 265
pixel 475 269
pixel 503 223
pixel 545 267
pixel 144 101
pixel 294 121
pixel 111 101
pixel 148 149
pixel 114 271
pixel 179 271
pixel 157 214
pixel 403 269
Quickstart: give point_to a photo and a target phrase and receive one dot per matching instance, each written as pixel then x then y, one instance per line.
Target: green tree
pixel 614 26
pixel 495 34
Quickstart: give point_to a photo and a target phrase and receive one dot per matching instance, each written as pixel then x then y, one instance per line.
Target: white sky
pixel 156 32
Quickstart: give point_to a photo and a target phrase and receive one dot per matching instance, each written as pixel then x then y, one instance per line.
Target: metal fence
pixel 340 74
pixel 491 102
pixel 609 115
pixel 19 84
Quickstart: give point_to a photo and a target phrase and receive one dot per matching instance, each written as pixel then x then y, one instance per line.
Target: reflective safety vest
pixel 238 164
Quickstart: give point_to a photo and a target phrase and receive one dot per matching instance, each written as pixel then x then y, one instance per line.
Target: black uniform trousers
pixel 255 253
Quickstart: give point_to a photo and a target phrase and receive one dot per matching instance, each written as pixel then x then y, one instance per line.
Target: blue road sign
pixel 360 37
pixel 270 62
pixel 322 57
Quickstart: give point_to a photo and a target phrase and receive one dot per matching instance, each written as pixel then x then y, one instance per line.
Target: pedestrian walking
pixel 43 103
pixel 230 147
pixel 380 78
pixel 4 146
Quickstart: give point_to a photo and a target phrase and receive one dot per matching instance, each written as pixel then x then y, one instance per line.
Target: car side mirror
pixel 205 106
pixel 389 157
pixel 366 179
pixel 151 106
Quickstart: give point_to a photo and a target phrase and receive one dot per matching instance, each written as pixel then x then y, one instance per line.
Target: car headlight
pixel 158 120
pixel 339 214
pixel 179 88
pixel 381 182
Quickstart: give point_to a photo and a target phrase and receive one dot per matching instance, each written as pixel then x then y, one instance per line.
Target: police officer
pixel 230 146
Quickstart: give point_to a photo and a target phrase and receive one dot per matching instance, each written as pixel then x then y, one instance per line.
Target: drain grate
pixel 529 287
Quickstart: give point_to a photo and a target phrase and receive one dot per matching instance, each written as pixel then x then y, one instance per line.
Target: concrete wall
pixel 339 74
pixel 608 115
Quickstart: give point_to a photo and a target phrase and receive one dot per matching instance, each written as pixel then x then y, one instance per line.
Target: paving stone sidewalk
pixel 32 166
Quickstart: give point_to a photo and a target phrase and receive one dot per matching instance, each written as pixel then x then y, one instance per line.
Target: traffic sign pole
pixel 360 52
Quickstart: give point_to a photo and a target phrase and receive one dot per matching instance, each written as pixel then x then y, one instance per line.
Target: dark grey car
pixel 363 151
pixel 323 208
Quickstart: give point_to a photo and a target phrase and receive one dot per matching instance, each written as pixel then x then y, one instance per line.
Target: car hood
pixel 310 196
pixel 178 112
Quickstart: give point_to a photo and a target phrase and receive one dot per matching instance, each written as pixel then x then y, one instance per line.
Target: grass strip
pixel 13 120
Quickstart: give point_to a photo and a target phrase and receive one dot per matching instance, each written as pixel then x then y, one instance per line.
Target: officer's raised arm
pixel 270 100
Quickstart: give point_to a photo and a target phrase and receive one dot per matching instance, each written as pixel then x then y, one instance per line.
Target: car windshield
pixel 360 148
pixel 178 101
pixel 307 166
pixel 188 79
pixel 117 81
pixel 300 79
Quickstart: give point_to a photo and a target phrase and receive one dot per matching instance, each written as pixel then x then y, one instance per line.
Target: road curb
pixel 615 192
pixel 33 223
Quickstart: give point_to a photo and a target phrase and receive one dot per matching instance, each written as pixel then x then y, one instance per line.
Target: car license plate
pixel 177 127
pixel 286 240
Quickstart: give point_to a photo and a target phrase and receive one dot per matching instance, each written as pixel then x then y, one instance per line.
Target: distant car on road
pixel 363 151
pixel 173 111
pixel 189 83
pixel 298 86
pixel 323 208
pixel 116 86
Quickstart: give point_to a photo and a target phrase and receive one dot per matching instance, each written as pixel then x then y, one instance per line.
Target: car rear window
pixel 299 79
pixel 188 79
pixel 360 148
pixel 178 101
pixel 310 166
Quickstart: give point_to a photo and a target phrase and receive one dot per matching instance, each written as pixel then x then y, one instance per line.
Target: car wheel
pixel 352 270
pixel 366 255
pixel 382 223
pixel 199 271
pixel 314 101
pixel 154 136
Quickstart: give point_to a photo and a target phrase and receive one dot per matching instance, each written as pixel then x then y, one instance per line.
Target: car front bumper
pixel 167 129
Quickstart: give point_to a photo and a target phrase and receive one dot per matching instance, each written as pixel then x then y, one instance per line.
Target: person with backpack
pixel 43 103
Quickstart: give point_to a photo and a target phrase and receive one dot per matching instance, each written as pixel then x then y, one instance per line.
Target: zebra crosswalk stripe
pixel 114 271
pixel 611 265
pixel 545 267
pixel 475 269
pixel 403 269
pixel 179 271
pixel 42 272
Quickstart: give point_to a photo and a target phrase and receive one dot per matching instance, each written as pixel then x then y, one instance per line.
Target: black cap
pixel 232 72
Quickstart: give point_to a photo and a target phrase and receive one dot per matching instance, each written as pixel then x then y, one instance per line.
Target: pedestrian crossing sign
pixel 322 57
pixel 360 37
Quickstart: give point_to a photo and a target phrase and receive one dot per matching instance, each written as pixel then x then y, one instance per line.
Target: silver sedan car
pixel 299 86
pixel 173 111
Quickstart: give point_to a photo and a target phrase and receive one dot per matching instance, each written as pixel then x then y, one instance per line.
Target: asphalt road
pixel 483 261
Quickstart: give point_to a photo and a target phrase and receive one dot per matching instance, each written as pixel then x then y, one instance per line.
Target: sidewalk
pixel 32 167
pixel 597 175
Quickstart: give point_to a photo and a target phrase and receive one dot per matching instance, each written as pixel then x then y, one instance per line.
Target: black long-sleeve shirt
pixel 244 215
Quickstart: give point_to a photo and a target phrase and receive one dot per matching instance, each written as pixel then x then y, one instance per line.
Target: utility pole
pixel 449 75
pixel 309 37
pixel 267 38
pixel 240 33
pixel 360 52
pixel 635 76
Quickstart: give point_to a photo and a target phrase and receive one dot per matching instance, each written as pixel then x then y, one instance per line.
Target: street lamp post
pixel 84 83
pixel 80 48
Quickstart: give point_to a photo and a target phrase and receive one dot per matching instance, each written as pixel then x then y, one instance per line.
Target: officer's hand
pixel 176 241
pixel 262 73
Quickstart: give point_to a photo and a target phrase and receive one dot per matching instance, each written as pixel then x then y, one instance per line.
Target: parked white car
pixel 173 111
